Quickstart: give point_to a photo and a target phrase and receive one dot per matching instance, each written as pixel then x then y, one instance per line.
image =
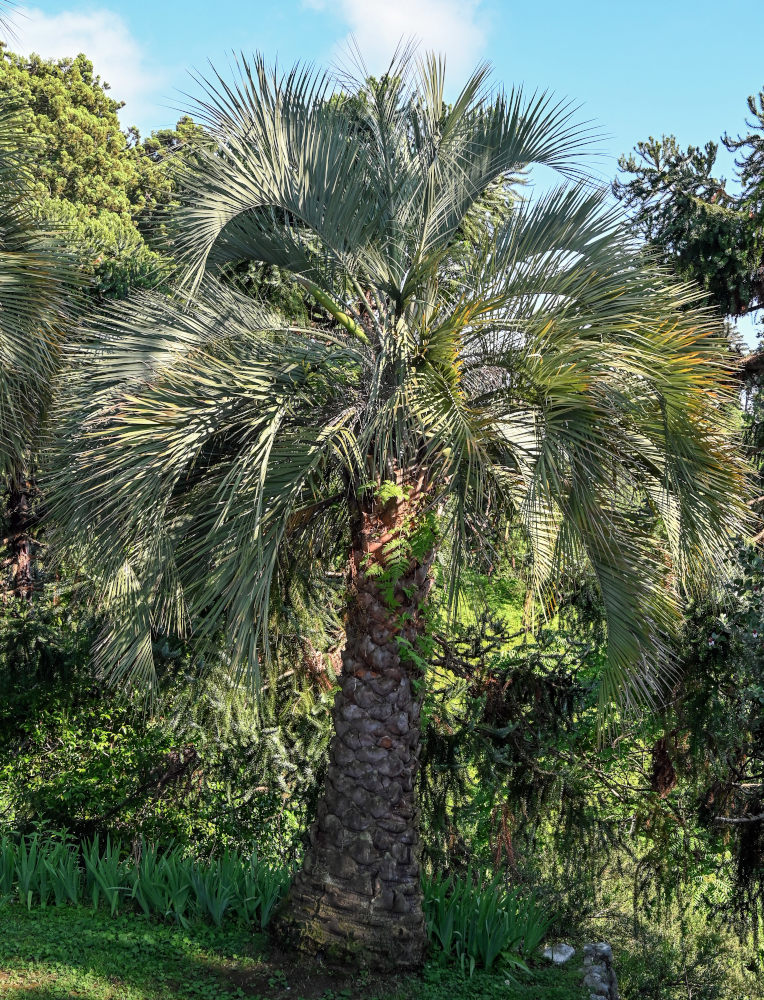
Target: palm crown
pixel 541 373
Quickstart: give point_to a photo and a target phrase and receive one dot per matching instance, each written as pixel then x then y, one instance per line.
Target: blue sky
pixel 638 69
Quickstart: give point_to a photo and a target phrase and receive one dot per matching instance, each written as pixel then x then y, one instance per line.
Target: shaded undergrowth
pixel 60 953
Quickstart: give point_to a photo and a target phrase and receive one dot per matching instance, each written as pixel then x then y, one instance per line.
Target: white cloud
pixel 105 39
pixel 456 28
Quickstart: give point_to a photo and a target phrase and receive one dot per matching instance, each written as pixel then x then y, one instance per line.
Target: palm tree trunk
pixel 19 518
pixel 358 896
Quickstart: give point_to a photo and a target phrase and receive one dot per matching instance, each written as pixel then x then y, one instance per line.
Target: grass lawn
pixel 63 953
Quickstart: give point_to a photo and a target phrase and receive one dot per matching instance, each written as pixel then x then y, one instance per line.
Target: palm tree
pixel 542 375
pixel 37 285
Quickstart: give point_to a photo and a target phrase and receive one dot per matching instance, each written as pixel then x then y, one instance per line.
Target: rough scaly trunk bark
pixel 19 541
pixel 358 895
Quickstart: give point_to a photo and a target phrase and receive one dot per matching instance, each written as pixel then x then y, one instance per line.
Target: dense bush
pixel 646 834
pixel 205 768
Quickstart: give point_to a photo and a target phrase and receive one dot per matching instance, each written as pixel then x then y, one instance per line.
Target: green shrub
pixel 475 923
pixel 208 768
pixel 160 884
pixel 262 887
pixel 684 958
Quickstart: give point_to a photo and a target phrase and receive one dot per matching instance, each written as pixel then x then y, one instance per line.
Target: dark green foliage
pixel 697 225
pixel 636 827
pixel 722 713
pixel 275 286
pixel 105 189
pixel 42 642
pixel 68 756
pixel 753 431
pixel 750 147
pixel 109 249
pixel 100 766
pixel 671 960
pixel 503 704
pixel 207 769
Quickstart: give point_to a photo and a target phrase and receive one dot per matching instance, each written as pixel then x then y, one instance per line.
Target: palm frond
pixel 191 463
pixel 549 376
pixel 37 303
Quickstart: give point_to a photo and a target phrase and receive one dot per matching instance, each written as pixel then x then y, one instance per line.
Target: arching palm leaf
pixel 36 284
pixel 556 371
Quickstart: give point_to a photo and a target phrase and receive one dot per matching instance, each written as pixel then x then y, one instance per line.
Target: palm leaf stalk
pixel 543 374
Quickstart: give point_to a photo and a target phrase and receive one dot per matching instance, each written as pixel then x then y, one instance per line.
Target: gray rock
pixel 603 951
pixel 598 973
pixel 594 982
pixel 559 953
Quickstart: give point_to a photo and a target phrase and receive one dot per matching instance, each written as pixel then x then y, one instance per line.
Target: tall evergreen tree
pixel 698 226
pixel 104 186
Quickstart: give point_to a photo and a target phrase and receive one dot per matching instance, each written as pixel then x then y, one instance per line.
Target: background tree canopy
pixel 104 186
pixel 703 229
